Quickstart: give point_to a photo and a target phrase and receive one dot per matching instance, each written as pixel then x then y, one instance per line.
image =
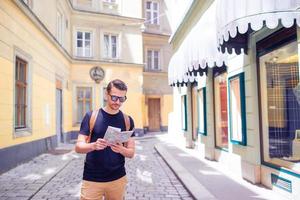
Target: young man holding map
pixel 104 172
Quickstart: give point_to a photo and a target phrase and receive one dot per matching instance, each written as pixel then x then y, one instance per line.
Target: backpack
pixel 93 120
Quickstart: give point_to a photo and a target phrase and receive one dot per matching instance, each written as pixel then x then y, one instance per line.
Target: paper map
pixel 115 135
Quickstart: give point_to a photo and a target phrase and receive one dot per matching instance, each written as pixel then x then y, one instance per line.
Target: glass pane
pixel 149 59
pixel 87 44
pixel 155 19
pixel 87 106
pixel 80 51
pixel 154 6
pixel 280 84
pixel 87 36
pixel 235 112
pixel 148 4
pixel 79 35
pixel 221 110
pixel 106 45
pixel 88 92
pixel 80 111
pixel 79 43
pixel 87 52
pixel 148 16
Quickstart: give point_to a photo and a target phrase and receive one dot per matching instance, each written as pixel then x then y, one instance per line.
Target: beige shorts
pixel 113 190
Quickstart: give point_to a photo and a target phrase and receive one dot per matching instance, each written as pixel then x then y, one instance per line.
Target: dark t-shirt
pixel 103 165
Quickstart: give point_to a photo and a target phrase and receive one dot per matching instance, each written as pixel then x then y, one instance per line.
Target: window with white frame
pixel 83 44
pixel 60 27
pixel 153 59
pixel 152 10
pixel 110 46
pixel 84 102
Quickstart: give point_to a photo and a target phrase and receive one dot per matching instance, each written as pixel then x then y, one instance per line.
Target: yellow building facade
pixel 48 52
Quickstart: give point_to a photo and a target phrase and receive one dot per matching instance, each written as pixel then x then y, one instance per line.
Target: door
pixel 59 115
pixel 154 114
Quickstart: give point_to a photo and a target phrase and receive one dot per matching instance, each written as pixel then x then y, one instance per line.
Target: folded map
pixel 115 135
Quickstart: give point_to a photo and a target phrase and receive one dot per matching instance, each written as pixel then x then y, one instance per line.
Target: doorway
pixel 59 116
pixel 154 114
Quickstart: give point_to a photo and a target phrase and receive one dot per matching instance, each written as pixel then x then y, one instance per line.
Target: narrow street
pixel 57 175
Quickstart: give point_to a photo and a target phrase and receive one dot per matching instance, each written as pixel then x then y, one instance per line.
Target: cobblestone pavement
pixel 58 176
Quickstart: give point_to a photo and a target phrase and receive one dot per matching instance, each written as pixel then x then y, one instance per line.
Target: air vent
pixel 281 182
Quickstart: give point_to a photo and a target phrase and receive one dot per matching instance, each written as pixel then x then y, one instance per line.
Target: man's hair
pixel 117 83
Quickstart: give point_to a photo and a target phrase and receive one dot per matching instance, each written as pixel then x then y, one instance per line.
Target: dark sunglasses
pixel 115 98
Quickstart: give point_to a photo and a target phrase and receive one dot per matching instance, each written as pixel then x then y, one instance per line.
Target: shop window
pixel 237 109
pixel 280 98
pixel 184 112
pixel 221 113
pixel 84 102
pixel 202 129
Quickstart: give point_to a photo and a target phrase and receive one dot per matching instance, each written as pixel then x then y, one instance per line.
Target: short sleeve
pixel 85 124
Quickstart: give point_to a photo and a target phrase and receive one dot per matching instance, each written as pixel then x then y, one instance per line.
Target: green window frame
pixel 201 110
pixel 184 112
pixel 237 123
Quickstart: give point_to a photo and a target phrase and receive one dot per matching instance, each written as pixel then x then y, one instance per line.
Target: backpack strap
pixel 127 121
pixel 92 124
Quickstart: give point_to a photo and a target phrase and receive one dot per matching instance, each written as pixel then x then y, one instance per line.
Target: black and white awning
pixel 198 51
pixel 237 18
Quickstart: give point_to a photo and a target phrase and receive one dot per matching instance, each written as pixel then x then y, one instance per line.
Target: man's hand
pixel 118 148
pixel 100 144
pixel 127 150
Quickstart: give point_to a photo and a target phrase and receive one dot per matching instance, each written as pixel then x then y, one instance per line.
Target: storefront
pixel 247 112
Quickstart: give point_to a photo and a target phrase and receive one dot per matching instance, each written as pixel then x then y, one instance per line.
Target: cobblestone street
pixel 57 175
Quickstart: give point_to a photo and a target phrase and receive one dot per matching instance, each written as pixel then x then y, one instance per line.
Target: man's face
pixel 115 98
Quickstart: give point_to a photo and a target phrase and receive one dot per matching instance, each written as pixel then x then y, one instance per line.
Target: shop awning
pixel 198 51
pixel 237 18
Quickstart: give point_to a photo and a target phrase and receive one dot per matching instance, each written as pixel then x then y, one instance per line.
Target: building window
pixel 152 10
pixel 60 27
pixel 84 102
pixel 21 93
pixel 221 114
pixel 201 107
pixel 184 112
pixel 110 46
pixel 153 60
pixel 237 109
pixel 280 98
pixel 83 44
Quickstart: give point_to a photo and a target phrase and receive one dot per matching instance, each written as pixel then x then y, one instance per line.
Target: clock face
pixel 97 74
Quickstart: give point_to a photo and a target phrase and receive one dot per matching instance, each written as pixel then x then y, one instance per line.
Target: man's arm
pixel 83 147
pixel 128 150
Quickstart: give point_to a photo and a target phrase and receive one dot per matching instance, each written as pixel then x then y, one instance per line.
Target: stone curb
pixel 197 190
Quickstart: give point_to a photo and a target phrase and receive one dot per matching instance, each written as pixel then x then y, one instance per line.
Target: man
pixel 104 171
